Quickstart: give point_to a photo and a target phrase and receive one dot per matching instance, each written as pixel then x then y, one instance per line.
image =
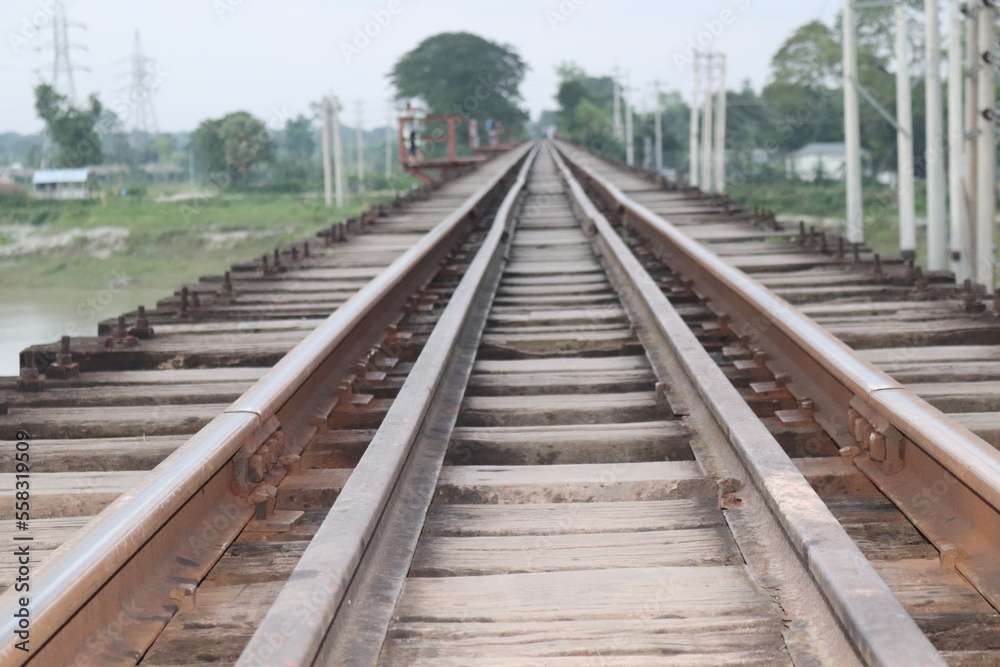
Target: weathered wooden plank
pixel 878 527
pixel 640 593
pixel 663 480
pixel 65 494
pixel 217 629
pixel 457 520
pixel 311 489
pixel 562 409
pixel 70 455
pixel 830 475
pixel 728 641
pixel 130 395
pixel 109 422
pixel 536 445
pixel 466 556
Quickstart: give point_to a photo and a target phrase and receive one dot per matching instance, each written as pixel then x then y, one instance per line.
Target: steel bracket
pixel 880 440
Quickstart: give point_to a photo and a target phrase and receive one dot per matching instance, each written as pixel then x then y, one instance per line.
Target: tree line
pixel 802 102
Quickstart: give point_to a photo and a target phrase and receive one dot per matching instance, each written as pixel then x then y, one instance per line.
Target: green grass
pixel 827 200
pixel 166 243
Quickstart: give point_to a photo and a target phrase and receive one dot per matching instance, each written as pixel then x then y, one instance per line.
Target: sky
pixel 273 58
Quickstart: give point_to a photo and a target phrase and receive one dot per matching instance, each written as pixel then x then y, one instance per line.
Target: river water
pixel 30 316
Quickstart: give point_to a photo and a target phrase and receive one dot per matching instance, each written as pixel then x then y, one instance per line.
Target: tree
pixel 227 148
pixel 72 128
pixel 208 148
pixel 245 141
pixel 463 74
pixel 299 143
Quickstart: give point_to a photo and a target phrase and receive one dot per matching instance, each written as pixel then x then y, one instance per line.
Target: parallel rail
pixel 904 444
pixel 107 588
pixel 96 589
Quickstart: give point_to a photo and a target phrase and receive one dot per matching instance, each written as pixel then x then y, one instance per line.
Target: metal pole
pixel 904 138
pixel 986 150
pixel 852 128
pixel 706 126
pixel 629 145
pixel 338 152
pixel 961 247
pixel 937 232
pixel 327 168
pixel 720 129
pixel 694 141
pixel 971 128
pixel 658 134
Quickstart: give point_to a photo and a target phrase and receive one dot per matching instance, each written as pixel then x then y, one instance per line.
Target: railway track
pixel 582 439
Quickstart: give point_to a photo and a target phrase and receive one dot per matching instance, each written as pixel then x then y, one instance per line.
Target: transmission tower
pixel 62 65
pixel 140 90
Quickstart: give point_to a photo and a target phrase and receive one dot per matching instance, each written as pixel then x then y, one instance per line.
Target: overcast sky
pixel 273 58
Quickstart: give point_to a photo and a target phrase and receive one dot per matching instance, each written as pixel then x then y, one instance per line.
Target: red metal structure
pixel 416 132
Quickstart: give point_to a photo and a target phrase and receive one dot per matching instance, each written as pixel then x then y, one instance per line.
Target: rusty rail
pixel 941 475
pixel 880 629
pixel 320 582
pixel 106 593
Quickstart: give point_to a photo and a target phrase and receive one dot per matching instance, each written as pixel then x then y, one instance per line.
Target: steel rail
pixel 296 624
pixel 880 629
pixel 941 475
pixel 106 593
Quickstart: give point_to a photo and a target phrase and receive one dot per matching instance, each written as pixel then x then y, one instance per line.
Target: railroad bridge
pixel 551 411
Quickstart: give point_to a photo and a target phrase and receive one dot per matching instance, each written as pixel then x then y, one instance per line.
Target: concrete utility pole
pixel 617 110
pixel 694 138
pixel 720 129
pixel 327 168
pixel 359 134
pixel 388 140
pixel 706 125
pixel 986 148
pixel 937 233
pixel 852 127
pixel 658 134
pixel 971 127
pixel 629 138
pixel 338 152
pixel 961 238
pixel 904 137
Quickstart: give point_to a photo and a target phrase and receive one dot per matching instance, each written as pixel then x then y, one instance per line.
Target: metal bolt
pixel 227 283
pixel 807 406
pixel 878 265
pixel 64 357
pixel 183 314
pixel 305 250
